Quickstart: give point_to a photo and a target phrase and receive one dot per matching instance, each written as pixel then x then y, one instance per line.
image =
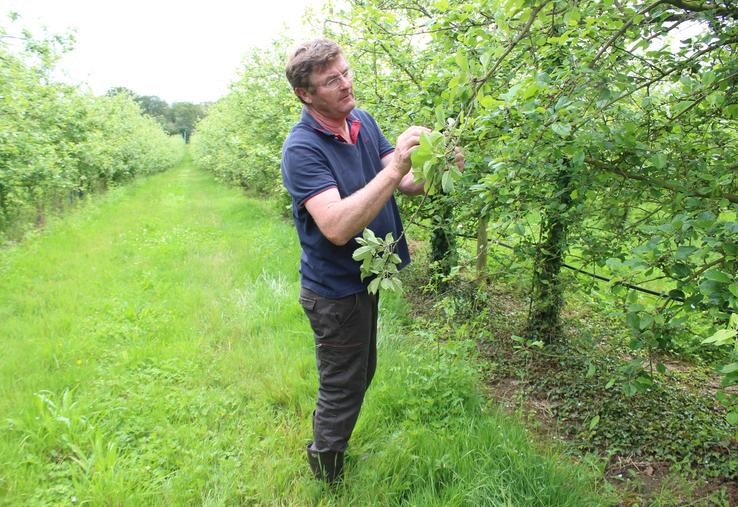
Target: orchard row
pixel 58 144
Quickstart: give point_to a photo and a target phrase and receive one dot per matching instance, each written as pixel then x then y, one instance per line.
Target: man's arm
pixel 407 185
pixel 342 219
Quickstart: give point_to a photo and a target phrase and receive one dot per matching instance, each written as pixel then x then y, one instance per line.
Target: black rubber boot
pixel 327 466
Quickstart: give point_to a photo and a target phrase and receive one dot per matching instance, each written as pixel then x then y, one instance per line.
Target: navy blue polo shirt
pixel 314 160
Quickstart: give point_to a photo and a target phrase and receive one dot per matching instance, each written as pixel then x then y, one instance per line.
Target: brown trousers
pixel 345 332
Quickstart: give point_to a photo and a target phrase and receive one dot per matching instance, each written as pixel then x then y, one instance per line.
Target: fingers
pixel 411 136
pixel 459 158
pixel 412 140
pixel 416 129
pixel 413 133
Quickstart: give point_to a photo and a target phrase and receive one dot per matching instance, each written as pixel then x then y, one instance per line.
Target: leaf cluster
pixel 433 162
pixel 378 261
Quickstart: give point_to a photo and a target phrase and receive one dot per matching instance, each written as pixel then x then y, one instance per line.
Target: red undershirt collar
pixel 354 127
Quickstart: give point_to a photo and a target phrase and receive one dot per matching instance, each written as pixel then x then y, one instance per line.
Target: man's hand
pixel 409 186
pixel 406 143
pixel 459 158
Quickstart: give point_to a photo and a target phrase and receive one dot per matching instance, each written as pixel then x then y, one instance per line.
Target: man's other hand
pixel 459 158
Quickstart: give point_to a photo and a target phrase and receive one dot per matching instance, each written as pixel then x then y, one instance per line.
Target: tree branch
pixel 620 32
pixel 660 183
pixel 696 7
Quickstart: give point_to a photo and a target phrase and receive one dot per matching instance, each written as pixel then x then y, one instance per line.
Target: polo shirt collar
pixel 354 126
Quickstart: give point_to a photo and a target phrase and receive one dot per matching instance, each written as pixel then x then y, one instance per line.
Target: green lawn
pixel 153 353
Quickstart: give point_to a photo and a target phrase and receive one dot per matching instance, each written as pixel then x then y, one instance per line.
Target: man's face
pixel 332 92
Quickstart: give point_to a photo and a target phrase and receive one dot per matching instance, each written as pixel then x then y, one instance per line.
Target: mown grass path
pixel 153 353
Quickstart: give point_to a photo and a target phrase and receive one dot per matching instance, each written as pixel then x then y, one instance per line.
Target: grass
pixel 154 353
pixel 669 445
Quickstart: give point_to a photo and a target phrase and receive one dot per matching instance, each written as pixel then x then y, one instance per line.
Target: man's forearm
pixel 341 219
pixel 344 218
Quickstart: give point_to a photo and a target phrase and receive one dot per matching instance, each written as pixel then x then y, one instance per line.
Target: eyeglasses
pixel 335 81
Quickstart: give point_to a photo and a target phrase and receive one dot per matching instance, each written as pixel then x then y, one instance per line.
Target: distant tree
pixel 153 105
pixel 158 109
pixel 117 90
pixel 184 116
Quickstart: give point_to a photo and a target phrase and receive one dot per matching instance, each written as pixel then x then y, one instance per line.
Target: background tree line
pixel 176 118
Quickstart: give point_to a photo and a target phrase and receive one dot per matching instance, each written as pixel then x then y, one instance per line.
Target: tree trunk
pixel 544 320
pixel 482 270
pixel 443 241
pixel 40 216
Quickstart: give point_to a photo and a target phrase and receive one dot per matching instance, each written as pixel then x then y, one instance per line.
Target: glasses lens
pixel 336 81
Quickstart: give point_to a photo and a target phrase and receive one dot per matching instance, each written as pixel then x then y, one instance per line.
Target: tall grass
pixel 154 354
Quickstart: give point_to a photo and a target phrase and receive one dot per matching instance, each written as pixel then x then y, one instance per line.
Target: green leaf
pixel 731 111
pixel 717 276
pixel 721 337
pixel 369 236
pixel 435 138
pixel 733 288
pixel 572 17
pixel 427 171
pixel 732 417
pixel 676 294
pixel 683 252
pixel 462 62
pixel 530 90
pixel 440 116
pixel 447 182
pixel 485 59
pixel 509 96
pixel 646 322
pixel 659 160
pixel 681 106
pixel 729 368
pixel 561 128
pixel 362 253
pixel 634 321
pixel 374 285
pixel 422 153
pixel 488 102
pixel 630 389
pixel 594 422
pixel 590 370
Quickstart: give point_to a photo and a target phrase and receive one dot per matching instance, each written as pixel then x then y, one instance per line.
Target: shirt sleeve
pixel 305 172
pixel 385 147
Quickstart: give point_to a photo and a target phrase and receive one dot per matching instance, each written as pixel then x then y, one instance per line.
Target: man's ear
pixel 304 95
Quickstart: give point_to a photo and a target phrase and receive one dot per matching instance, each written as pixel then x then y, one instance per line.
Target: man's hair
pixel 308 57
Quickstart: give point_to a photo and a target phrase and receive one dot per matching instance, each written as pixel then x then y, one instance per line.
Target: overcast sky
pixel 182 51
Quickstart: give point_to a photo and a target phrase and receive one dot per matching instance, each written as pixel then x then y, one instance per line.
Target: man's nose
pixel 346 81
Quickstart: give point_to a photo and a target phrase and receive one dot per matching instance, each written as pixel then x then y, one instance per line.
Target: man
pixel 341 173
